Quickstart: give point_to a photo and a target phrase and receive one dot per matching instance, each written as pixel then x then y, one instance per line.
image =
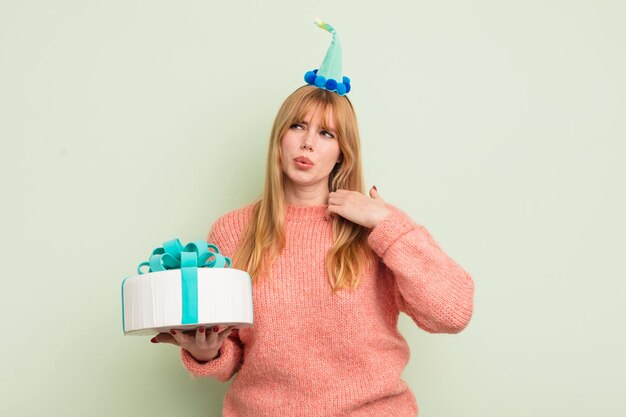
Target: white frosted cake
pixel 185 298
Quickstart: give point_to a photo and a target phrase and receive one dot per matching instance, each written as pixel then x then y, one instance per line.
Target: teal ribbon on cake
pixel 188 258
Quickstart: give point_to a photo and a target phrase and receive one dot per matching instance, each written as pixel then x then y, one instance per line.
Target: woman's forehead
pixel 318 112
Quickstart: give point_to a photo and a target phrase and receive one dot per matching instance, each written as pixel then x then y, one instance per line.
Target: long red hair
pixel 350 254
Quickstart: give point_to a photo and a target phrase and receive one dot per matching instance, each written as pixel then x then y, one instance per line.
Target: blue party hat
pixel 329 76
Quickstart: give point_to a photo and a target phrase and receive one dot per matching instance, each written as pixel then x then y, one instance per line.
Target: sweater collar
pixel 306 212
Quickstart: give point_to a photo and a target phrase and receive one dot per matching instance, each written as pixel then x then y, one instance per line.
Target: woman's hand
pixel 358 208
pixel 203 344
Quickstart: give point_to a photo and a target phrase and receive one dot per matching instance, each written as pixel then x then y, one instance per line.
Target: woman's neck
pixel 314 195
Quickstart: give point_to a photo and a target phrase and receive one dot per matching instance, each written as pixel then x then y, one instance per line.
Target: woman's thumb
pixel 374 193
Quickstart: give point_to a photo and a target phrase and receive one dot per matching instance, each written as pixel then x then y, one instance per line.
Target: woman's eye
pixel 296 125
pixel 327 134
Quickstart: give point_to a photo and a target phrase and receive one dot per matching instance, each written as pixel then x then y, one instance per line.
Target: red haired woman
pixel 331 268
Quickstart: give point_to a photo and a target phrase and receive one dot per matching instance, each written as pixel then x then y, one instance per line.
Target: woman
pixel 332 269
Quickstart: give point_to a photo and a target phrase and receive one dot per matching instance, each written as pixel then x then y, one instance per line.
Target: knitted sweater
pixel 312 353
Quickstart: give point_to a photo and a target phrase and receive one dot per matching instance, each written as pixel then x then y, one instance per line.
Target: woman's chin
pixel 304 180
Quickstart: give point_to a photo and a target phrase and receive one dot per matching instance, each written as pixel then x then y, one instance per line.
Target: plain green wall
pixel 498 125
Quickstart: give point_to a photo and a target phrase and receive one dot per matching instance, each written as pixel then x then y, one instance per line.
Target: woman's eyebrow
pixel 330 130
pixel 325 128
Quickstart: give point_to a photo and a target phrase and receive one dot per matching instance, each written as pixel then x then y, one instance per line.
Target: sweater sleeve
pixel 430 287
pixel 223 234
pixel 221 368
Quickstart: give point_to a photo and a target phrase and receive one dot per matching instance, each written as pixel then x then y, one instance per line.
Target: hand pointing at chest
pixel 358 208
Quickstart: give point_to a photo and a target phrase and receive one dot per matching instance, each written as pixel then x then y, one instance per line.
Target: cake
pixel 184 288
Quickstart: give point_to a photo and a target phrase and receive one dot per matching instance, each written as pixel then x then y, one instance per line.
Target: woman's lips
pixel 302 165
pixel 303 162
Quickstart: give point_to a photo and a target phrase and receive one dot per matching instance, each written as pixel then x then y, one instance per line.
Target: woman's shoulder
pixel 237 218
pixel 229 228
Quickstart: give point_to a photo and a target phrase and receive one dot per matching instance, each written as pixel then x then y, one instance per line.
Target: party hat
pixel 329 76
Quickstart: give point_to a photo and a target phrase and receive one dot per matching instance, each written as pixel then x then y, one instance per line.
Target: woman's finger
pixel 182 339
pixel 200 335
pixel 374 193
pixel 335 210
pixel 211 334
pixel 335 200
pixel 225 333
pixel 164 338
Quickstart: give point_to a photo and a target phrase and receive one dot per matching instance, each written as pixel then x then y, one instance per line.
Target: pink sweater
pixel 312 353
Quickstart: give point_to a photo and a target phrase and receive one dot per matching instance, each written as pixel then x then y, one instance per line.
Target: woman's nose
pixel 309 140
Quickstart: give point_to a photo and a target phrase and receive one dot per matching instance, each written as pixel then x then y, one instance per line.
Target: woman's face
pixel 309 152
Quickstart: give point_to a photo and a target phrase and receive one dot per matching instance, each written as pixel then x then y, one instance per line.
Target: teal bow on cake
pixel 188 258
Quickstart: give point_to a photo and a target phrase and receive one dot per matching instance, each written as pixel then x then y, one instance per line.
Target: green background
pixel 498 125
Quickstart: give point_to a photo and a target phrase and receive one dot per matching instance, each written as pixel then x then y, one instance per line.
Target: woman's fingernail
pixel 215 329
pixel 173 332
pixel 154 340
pixel 375 188
pixel 201 329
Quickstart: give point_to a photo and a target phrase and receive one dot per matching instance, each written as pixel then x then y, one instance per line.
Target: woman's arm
pixel 225 235
pixel 431 288
pixel 221 368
